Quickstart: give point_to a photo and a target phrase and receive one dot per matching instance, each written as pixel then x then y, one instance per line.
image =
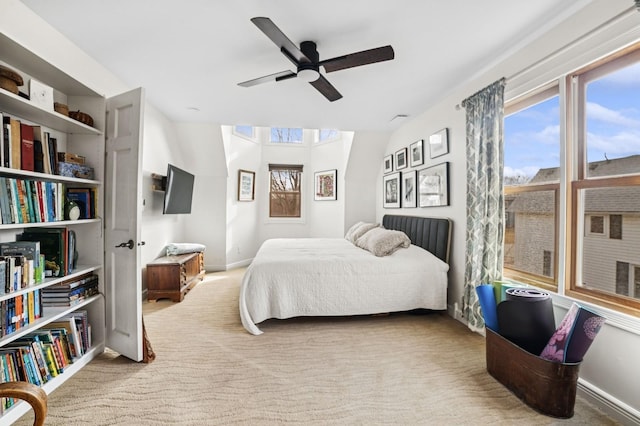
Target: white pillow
pixel 360 230
pixel 383 242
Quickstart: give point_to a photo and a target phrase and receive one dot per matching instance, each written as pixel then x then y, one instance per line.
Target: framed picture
pixel 409 198
pixel 433 184
pixel 388 163
pixel 246 185
pixel 416 153
pixel 391 191
pixel 326 185
pixel 439 143
pixel 401 159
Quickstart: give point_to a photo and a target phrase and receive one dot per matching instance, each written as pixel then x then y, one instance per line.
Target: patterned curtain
pixel 485 199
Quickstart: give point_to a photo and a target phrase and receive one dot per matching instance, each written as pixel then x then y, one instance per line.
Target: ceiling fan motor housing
pixel 309 71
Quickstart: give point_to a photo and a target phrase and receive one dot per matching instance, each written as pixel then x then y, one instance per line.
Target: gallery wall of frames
pixel 407 182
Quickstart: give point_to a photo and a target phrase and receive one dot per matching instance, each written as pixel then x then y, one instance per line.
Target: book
pixel 40 150
pixel 4 201
pixel 14 199
pixel 5 140
pixel 16 143
pixel 3 137
pixel 53 154
pixel 26 147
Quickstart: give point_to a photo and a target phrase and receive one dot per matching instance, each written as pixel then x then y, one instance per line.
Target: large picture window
pixel 572 176
pixel 285 198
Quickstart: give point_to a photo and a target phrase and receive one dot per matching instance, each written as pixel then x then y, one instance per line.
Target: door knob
pixel 127 244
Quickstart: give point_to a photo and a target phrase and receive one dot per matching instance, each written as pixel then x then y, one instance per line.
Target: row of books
pixel 20 311
pixel 31 201
pixel 35 201
pixel 27 147
pixel 70 293
pixel 21 265
pixel 44 354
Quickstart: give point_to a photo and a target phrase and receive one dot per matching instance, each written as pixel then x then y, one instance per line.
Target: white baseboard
pixel 234 265
pixel 611 406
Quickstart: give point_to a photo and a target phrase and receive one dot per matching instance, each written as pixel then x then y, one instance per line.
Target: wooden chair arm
pixel 30 393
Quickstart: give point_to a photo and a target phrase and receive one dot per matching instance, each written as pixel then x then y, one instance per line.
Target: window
pixel 596 225
pixel 247 132
pixel 531 181
pixel 615 226
pixel 326 135
pixel 286 135
pixel 583 142
pixel 284 190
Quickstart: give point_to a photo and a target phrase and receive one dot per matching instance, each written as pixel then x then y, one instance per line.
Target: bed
pixel 296 277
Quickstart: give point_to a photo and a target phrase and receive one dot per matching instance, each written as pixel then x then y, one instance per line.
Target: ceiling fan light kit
pixel 308 63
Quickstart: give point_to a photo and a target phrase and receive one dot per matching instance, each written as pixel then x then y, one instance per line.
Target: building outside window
pixel 285 198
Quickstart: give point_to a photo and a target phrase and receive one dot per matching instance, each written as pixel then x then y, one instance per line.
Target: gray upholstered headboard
pixel 432 234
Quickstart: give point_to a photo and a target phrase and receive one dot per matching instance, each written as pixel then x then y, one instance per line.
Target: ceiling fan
pixel 308 63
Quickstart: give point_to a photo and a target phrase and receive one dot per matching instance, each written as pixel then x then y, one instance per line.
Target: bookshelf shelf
pixel 77 272
pixel 50 314
pixel 51 119
pixel 6 171
pixel 48 224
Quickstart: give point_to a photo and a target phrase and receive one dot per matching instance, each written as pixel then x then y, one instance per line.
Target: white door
pixel 123 178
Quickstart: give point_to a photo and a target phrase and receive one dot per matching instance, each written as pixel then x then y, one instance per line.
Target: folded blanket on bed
pixel 184 248
pixel 383 242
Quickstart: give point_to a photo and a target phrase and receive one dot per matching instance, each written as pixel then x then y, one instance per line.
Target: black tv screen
pixel 178 191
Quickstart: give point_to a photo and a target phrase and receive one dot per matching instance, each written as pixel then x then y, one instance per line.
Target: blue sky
pixel 613 125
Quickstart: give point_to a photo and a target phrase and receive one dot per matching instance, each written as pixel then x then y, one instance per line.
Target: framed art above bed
pixel 391 191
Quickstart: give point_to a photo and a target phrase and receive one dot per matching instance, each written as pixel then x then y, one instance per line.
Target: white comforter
pixel 332 277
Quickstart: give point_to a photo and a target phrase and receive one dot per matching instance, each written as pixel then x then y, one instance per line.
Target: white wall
pixel 243 217
pixel 158 148
pixel 363 176
pixel 608 374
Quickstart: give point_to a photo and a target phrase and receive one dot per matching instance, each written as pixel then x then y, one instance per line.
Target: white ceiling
pixel 191 54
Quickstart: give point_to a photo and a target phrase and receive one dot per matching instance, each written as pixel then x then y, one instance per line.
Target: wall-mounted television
pixel 178 191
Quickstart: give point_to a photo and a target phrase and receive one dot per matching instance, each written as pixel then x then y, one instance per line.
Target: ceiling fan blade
pixel 357 59
pixel 270 29
pixel 283 75
pixel 323 86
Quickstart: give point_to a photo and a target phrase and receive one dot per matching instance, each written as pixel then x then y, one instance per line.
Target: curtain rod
pixel 566 47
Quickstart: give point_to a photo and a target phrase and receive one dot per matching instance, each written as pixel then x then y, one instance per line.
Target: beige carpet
pixel 390 370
